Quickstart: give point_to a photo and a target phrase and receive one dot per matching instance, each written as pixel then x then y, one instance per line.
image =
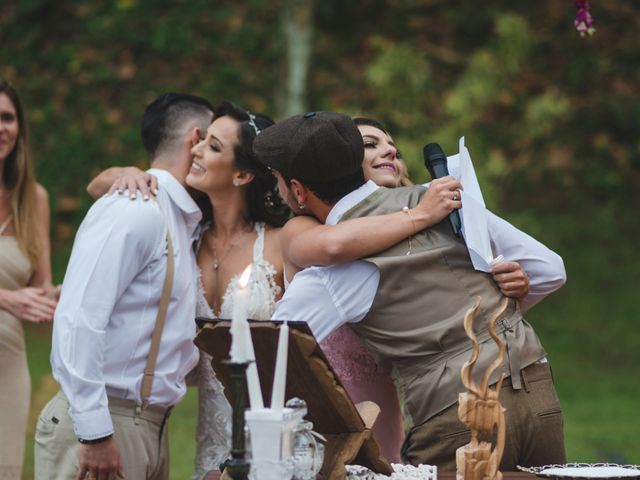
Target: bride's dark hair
pixel 263 201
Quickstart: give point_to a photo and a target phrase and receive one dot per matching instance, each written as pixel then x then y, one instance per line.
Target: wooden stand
pixel 309 376
pixel 480 409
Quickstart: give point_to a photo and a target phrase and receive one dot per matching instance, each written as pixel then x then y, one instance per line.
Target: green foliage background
pixel 551 120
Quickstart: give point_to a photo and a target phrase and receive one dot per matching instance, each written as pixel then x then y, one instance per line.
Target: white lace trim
pixel 400 472
pixel 213 431
pixel 263 289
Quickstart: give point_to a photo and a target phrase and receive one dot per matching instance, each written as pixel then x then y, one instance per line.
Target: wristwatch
pixel 93 441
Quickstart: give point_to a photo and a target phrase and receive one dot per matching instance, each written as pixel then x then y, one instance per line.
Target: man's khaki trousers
pixel 142 441
pixel 533 419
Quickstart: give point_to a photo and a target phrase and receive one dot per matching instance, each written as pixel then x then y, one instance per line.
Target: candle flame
pixel 244 278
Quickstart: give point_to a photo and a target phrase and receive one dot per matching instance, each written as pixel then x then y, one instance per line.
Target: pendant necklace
pixel 217 261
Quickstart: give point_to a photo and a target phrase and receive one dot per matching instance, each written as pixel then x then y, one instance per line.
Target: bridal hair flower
pixel 252 122
pixel 584 21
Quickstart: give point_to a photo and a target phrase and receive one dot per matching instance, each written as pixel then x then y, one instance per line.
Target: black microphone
pixel 436 162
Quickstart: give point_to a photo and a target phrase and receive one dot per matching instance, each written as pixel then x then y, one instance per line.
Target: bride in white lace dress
pixel 245 212
pixel 213 431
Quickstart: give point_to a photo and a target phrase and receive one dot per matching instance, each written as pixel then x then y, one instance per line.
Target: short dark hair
pixel 331 192
pixel 370 122
pixel 163 117
pixel 263 202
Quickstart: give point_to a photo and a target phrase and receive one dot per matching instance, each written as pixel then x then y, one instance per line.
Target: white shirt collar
pixel 349 200
pixel 179 196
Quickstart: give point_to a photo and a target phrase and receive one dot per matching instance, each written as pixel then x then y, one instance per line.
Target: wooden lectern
pixel 346 426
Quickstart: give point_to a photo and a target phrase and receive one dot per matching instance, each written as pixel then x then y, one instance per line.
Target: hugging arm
pixel 307 242
pixel 544 268
pixel 511 278
pixel 119 179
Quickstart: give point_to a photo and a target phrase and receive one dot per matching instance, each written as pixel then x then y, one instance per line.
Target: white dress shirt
pixel 328 297
pixel 109 302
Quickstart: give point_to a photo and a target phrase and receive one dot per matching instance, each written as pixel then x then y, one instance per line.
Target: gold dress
pixel 15 385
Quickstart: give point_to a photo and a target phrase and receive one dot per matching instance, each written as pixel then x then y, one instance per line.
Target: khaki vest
pixel 415 325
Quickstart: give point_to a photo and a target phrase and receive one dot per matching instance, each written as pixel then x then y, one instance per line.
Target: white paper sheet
pixel 472 213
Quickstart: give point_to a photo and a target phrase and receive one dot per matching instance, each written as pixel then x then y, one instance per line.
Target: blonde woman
pixel 25 275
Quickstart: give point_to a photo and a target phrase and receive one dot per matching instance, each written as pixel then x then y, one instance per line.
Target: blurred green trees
pixel 550 117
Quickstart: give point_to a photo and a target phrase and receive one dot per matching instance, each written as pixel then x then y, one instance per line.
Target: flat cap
pixel 315 146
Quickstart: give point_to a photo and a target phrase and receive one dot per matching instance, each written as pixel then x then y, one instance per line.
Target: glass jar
pixel 305 447
pixel 299 408
pixel 318 458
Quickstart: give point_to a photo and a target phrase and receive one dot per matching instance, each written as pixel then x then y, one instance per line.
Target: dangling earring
pixel 301 205
pixel 236 182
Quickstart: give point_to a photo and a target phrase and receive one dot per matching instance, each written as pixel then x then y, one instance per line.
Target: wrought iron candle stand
pixel 238 466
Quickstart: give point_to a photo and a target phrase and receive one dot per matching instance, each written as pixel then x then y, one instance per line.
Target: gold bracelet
pixel 413 227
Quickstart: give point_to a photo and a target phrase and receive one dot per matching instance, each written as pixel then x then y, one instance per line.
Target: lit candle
pixel 280 376
pixel 238 334
pixel 243 345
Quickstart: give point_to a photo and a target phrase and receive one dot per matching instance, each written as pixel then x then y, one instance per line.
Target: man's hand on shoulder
pixel 100 461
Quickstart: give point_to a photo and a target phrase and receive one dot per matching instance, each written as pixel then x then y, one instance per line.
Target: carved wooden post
pixel 480 409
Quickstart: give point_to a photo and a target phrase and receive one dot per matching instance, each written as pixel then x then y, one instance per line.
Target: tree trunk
pixel 298 30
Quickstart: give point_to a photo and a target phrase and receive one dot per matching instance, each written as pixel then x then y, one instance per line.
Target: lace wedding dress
pixel 213 431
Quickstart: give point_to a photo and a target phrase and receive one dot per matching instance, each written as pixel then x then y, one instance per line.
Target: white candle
pixel 244 345
pixel 238 334
pixel 253 381
pixel 280 376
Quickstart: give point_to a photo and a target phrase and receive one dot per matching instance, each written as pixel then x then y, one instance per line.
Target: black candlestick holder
pixel 238 466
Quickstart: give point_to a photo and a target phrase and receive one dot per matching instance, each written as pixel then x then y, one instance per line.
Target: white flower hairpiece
pixel 252 122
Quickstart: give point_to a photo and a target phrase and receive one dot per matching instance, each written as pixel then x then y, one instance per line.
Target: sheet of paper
pixel 473 211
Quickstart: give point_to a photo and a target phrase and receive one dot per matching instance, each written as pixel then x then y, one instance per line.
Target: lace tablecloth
pixel 400 472
pixel 440 476
pixel 356 472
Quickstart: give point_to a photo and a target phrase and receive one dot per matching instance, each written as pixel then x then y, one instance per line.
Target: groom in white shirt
pixel 407 304
pixel 99 426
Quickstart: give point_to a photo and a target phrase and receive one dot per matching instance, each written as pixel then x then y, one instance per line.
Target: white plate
pixel 585 470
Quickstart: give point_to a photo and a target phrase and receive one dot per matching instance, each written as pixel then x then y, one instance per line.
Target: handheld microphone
pixel 436 162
